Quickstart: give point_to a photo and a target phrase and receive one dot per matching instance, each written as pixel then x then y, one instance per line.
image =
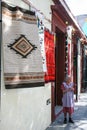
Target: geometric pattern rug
pixel 23 66
pixel 22 46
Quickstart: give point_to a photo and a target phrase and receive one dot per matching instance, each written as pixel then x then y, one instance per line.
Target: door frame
pixel 58 27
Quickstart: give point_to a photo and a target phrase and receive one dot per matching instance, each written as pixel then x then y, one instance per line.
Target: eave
pixel 65 14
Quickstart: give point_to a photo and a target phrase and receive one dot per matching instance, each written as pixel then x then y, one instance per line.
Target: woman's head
pixel 68 79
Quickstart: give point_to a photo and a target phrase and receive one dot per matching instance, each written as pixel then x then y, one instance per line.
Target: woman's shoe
pixel 65 120
pixel 70 120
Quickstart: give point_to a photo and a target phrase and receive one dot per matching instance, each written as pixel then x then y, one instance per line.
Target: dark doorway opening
pixel 60 65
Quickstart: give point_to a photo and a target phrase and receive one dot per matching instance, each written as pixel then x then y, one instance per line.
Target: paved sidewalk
pixel 79 116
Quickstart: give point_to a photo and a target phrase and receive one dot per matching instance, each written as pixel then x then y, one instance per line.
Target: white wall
pixel 26 109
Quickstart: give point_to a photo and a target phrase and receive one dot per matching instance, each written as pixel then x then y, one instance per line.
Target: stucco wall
pixel 26 109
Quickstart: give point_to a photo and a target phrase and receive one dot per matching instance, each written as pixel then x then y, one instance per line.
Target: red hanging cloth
pixel 50 56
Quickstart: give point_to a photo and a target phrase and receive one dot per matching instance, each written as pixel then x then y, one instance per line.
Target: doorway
pixel 60 65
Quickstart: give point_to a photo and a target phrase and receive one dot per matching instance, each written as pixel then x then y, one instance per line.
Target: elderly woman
pixel 68 98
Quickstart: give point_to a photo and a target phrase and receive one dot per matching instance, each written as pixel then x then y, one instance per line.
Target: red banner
pixel 50 56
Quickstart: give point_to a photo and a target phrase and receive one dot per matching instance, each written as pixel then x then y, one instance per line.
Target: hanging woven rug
pixel 23 66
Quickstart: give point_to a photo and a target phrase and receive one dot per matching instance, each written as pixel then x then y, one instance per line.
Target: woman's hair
pixel 66 78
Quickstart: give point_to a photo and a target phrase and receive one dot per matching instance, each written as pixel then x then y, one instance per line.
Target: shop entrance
pixel 56 92
pixel 59 27
pixel 60 65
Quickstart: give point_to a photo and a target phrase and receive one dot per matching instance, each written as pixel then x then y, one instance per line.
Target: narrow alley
pixel 79 116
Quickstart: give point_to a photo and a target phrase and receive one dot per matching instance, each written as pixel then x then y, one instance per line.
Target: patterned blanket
pixel 22 56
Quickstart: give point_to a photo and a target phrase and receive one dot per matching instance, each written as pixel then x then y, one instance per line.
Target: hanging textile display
pixel 66 55
pixel 22 56
pixel 69 59
pixel 50 56
pixel 69 41
pixel 41 39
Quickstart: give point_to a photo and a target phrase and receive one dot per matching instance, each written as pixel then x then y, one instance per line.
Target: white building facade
pixel 27 108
